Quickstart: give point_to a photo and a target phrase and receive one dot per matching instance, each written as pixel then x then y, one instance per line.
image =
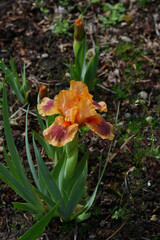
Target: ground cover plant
pixel 127 202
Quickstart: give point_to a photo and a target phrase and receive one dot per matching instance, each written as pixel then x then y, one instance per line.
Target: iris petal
pixel 85 110
pixel 80 90
pixel 46 107
pixel 101 106
pixel 99 126
pixel 65 102
pixel 60 132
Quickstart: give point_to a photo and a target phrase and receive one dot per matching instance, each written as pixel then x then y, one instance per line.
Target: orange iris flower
pixel 76 108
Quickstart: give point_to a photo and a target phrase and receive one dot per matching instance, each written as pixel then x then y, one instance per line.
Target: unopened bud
pixel 43 92
pixel 79 31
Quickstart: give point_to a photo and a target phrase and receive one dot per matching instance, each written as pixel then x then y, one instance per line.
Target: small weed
pixel 61 26
pixel 143 2
pixel 114 14
pixel 127 50
pixel 121 213
pixel 41 5
pixel 120 92
pixel 95 1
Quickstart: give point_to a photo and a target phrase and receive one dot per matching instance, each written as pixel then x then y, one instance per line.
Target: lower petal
pixel 60 132
pixel 99 126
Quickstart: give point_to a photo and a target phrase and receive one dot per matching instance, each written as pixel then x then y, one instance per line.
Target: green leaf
pixel 48 179
pixel 91 70
pixel 78 172
pixel 12 80
pixel 29 157
pixel 10 143
pixel 76 194
pixel 83 217
pixel 49 149
pixel 47 198
pixel 41 123
pixel 57 169
pixel 37 230
pixel 27 195
pixel 25 207
pixel 73 72
pixel 11 165
pixel 80 61
pixel 15 158
pixel 15 73
pixel 24 87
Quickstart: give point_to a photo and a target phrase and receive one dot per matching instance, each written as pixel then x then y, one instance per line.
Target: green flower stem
pixel 72 157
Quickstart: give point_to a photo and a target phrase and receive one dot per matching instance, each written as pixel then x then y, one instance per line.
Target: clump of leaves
pixel 127 50
pixel 143 2
pixel 114 14
pixel 121 213
pixel 61 26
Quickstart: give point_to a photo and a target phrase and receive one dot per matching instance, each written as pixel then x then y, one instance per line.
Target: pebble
pixel 123 24
pixel 126 39
pixel 1 149
pixel 92 236
pixel 45 55
pixel 149 119
pixel 102 223
pixel 143 95
pixel 1 141
pixel 127 116
pixel 149 183
pixel 154 218
pixel 135 115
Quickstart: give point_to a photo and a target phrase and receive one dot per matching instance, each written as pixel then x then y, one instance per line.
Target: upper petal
pixel 99 126
pixel 80 89
pixel 60 132
pixel 47 107
pixel 65 103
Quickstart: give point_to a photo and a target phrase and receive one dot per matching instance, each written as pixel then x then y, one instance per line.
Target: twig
pixel 119 228
pixel 75 231
pixel 107 89
pixel 123 145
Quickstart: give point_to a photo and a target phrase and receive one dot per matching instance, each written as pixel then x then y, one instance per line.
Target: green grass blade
pixel 25 207
pixel 49 149
pixel 27 195
pixel 10 142
pixel 12 81
pixel 41 123
pixel 11 165
pixel 36 231
pixel 15 75
pixel 29 157
pixel 47 199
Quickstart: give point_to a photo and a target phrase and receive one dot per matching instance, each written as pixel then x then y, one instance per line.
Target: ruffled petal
pixel 99 126
pixel 65 103
pixel 80 89
pixel 85 110
pixel 101 106
pixel 47 107
pixel 60 132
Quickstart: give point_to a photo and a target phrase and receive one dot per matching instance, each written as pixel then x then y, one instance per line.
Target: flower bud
pixel 42 92
pixel 79 32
